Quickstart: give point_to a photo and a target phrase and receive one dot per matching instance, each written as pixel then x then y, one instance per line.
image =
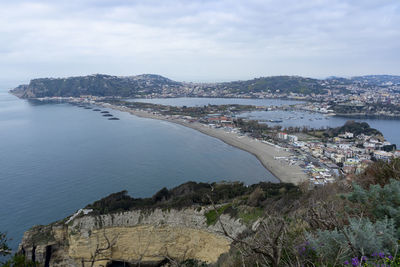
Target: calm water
pixel 56 158
pixel 199 101
pixel 389 128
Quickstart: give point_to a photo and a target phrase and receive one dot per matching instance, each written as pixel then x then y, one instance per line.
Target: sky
pixel 198 40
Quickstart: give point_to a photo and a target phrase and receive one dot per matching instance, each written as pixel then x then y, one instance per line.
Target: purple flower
pixel 390 257
pixel 346 263
pixel 381 254
pixel 355 261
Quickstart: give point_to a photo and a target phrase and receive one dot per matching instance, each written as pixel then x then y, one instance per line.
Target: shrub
pixel 380 173
pixel 379 202
pixel 361 237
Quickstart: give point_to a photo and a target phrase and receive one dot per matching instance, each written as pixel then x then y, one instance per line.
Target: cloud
pixel 199 39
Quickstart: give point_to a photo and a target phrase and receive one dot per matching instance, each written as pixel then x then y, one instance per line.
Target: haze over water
pixel 57 158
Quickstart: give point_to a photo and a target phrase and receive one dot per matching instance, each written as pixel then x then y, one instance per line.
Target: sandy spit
pixel 265 153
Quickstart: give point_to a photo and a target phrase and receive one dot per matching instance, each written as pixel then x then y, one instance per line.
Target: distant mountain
pixel 151 84
pixel 97 85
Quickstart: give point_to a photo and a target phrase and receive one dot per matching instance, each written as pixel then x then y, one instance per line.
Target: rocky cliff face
pixel 146 236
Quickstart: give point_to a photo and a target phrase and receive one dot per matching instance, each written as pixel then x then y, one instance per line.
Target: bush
pixel 379 202
pixel 380 173
pixel 361 237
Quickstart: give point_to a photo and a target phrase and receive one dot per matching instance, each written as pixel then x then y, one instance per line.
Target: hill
pixel 148 84
pixel 354 127
pixel 281 84
pixel 159 86
pixel 96 85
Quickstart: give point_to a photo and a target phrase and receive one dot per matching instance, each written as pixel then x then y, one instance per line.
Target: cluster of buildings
pixel 345 154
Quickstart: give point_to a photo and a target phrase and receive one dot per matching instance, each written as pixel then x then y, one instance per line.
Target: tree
pixel 4 248
pixel 101 252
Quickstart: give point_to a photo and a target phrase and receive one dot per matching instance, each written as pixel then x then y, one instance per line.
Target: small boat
pixel 113 119
pixel 107 115
pixel 104 112
pixel 87 108
pixel 96 109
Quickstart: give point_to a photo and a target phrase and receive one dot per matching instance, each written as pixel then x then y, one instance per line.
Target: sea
pixel 57 158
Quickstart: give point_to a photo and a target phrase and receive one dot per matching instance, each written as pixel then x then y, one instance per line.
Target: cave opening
pixel 141 264
pixel 33 254
pixel 118 264
pixel 48 256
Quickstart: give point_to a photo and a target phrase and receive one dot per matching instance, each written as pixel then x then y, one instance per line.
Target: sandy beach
pixel 265 153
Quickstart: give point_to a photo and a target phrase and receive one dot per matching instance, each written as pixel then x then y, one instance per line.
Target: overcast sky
pixel 190 40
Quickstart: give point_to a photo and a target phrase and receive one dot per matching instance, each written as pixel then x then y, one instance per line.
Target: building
pixel 283 136
pixel 383 155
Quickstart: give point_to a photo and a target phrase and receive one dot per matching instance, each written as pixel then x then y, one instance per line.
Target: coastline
pixel 265 153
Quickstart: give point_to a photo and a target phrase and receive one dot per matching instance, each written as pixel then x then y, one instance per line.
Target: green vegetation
pixel 96 85
pixel 4 249
pixel 149 84
pixel 329 226
pixel 18 260
pixel 371 110
pixel 335 225
pixel 277 84
pixel 212 215
pixel 250 215
pixel 354 127
pixel 196 112
pixel 380 173
pixel 192 193
pixel 15 260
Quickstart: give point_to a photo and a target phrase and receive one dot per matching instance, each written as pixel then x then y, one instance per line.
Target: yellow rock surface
pixel 148 243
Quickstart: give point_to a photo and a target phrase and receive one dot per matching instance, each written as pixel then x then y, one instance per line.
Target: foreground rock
pixel 149 237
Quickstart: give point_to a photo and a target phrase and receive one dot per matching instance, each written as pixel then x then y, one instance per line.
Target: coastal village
pixel 323 160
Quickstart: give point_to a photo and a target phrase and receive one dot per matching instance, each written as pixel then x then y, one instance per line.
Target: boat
pixel 113 119
pixel 107 115
pixel 105 112
pixel 96 109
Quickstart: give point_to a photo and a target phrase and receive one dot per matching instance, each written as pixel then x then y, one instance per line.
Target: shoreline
pixel 265 153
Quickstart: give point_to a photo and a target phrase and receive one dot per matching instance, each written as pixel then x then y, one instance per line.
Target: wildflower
pixel 346 263
pixel 355 261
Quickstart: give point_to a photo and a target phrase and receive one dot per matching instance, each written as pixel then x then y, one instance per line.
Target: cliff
pixel 145 236
pixel 178 224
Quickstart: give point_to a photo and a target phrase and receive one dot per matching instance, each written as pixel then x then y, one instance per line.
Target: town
pixel 325 155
